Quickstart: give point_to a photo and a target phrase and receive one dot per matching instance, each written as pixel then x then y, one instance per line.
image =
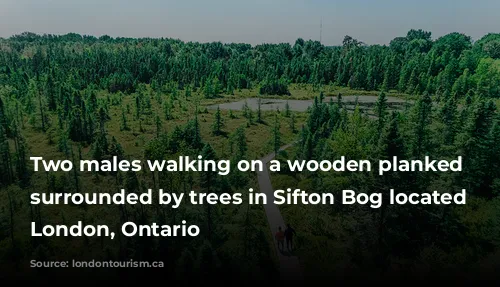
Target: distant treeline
pixel 414 64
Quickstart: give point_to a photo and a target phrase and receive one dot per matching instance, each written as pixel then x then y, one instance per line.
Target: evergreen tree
pixel 197 141
pixel 276 135
pixel 132 184
pixel 5 161
pixel 138 107
pixel 259 111
pixel 187 92
pixel 249 116
pixel 474 146
pixel 391 145
pixel 51 91
pixel 4 123
pixel 76 125
pixel 292 123
pixel 29 104
pixel 449 119
pixel 167 110
pixel 239 139
pixel 158 126
pixel 287 110
pixel 308 148
pixel 208 181
pixel 492 177
pixel 92 102
pixel 124 125
pixel 422 120
pixel 21 160
pixel 116 149
pixel 381 112
pixel 218 124
pixel 62 142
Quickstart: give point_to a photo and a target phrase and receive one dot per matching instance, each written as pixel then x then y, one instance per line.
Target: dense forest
pixel 73 96
pixel 450 65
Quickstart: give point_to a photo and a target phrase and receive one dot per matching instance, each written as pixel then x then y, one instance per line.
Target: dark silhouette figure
pixel 289 233
pixel 280 237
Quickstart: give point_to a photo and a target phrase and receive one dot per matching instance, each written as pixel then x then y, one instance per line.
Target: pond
pixel 302 105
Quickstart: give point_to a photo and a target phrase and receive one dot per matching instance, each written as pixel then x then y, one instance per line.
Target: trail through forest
pixel 290 268
pixel 289 264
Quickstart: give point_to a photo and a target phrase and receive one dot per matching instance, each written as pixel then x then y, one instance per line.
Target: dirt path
pixel 289 265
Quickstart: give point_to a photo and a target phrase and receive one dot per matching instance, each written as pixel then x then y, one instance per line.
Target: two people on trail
pixel 288 235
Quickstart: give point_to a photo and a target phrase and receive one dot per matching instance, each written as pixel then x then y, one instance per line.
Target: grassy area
pixel 142 130
pixel 133 141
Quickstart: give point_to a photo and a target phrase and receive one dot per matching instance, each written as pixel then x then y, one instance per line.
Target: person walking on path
pixel 280 237
pixel 289 233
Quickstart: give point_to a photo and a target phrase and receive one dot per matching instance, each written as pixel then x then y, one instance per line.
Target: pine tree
pixel 308 148
pixel 167 110
pixel 239 139
pixel 474 146
pixel 250 116
pixel 62 142
pixel 380 112
pixel 100 146
pixel 292 123
pixel 116 149
pixel 287 109
pixel 449 117
pixel 245 109
pixel 197 141
pixel 132 184
pixel 3 119
pixel 259 111
pixel 21 160
pixel 102 120
pixel 421 133
pixel 391 145
pixel 276 135
pixel 76 125
pixel 390 75
pixel 218 123
pixel 5 161
pixel 92 102
pixel 30 98
pixel 187 92
pixel 137 107
pixel 238 179
pixel 75 171
pixel 124 125
pixel 391 142
pixel 493 173
pixel 51 91
pixel 208 182
pixel 158 126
